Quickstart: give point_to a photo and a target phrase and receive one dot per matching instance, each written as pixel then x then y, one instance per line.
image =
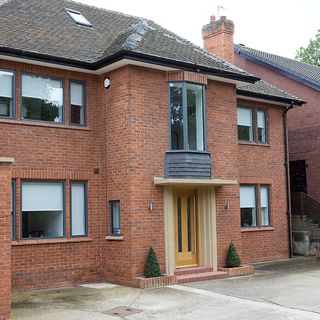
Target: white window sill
pixel 114 238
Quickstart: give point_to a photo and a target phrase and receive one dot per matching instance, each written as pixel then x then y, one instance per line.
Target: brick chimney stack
pixel 218 38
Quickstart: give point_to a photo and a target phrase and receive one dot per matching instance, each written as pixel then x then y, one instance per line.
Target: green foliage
pixel 233 259
pixel 152 268
pixel 310 54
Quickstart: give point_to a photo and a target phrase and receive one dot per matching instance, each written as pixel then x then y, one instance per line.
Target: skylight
pixel 78 18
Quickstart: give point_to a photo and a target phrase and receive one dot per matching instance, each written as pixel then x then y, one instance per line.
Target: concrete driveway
pixel 281 290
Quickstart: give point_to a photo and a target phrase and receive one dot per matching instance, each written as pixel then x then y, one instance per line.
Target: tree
pixel 152 267
pixel 233 259
pixel 310 54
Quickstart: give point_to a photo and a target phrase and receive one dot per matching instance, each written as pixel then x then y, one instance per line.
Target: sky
pixel 275 26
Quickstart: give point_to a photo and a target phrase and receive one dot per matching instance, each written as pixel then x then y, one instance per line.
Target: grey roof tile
pixel 303 71
pixel 44 27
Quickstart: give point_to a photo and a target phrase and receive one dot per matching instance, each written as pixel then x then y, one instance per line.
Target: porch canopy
pixel 160 181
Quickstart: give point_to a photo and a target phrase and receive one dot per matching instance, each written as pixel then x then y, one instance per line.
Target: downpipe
pixel 286 163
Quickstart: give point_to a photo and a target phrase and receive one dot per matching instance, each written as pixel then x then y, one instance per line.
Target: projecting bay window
pixel 43 212
pixel 42 98
pixel 187 116
pixel 78 209
pixel 6 94
pixel 77 103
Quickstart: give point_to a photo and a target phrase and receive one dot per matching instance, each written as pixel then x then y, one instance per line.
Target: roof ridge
pixel 276 55
pixel 136 36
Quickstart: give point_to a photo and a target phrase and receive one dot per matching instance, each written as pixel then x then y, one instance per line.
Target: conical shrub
pixel 152 268
pixel 233 259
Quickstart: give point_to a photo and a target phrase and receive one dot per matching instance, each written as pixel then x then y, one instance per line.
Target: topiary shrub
pixel 233 259
pixel 152 268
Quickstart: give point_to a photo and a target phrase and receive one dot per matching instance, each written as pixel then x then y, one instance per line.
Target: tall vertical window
pixel 77 103
pixel 264 206
pixel 186 116
pixel 115 217
pixel 42 205
pixel 13 209
pixel 248 206
pixel 78 209
pixel 245 124
pixel 262 126
pixel 6 94
pixel 42 98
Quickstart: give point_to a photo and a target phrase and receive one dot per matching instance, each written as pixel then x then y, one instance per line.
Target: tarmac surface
pixel 287 289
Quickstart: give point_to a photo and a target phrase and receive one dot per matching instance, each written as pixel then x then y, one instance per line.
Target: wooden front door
pixel 186 228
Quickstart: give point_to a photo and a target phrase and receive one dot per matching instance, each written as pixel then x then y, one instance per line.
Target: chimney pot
pixel 212 18
pixel 223 18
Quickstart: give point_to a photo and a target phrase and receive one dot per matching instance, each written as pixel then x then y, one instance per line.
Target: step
pixel 204 276
pixel 192 270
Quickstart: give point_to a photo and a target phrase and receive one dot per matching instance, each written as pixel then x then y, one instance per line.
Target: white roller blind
pixel 6 79
pixel 264 195
pixel 247 197
pixel 42 88
pixel 42 196
pixel 78 219
pixel 76 94
pixel 261 119
pixel 244 117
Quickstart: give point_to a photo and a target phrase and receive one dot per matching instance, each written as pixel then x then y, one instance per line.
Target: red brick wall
pixel 57 152
pixel 265 165
pixel 5 241
pixel 126 138
pixel 303 122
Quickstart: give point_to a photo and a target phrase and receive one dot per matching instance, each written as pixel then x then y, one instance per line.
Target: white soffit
pixel 114 66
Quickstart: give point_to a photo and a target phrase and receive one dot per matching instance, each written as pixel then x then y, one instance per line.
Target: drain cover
pixel 121 312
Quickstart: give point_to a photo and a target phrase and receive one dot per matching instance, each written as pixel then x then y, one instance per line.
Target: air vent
pixel 78 18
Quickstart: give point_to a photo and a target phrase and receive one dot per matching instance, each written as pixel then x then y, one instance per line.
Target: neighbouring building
pixel 118 135
pixel 301 79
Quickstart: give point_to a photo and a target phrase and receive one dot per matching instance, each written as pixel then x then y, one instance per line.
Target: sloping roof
pixel 42 28
pixel 264 90
pixel 300 71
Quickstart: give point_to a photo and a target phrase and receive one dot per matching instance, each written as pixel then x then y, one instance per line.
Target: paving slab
pixel 282 290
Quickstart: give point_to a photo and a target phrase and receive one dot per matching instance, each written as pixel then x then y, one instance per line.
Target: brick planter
pixel 165 280
pixel 238 271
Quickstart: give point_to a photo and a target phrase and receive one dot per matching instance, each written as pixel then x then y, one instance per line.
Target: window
pixel 42 205
pixel 13 210
pixel 115 217
pixel 245 124
pixel 78 18
pixel 252 125
pixel 42 98
pixel 248 206
pixel 262 126
pixel 78 209
pixel 264 206
pixel 251 216
pixel 6 94
pixel 187 116
pixel 77 103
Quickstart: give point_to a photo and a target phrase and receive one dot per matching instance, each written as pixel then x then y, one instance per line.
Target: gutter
pixel 243 92
pixel 284 114
pixel 125 54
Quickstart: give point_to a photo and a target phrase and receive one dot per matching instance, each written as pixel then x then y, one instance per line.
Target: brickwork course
pixel 121 149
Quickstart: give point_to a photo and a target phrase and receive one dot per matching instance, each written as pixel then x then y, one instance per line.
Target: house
pixel 301 79
pixel 118 135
